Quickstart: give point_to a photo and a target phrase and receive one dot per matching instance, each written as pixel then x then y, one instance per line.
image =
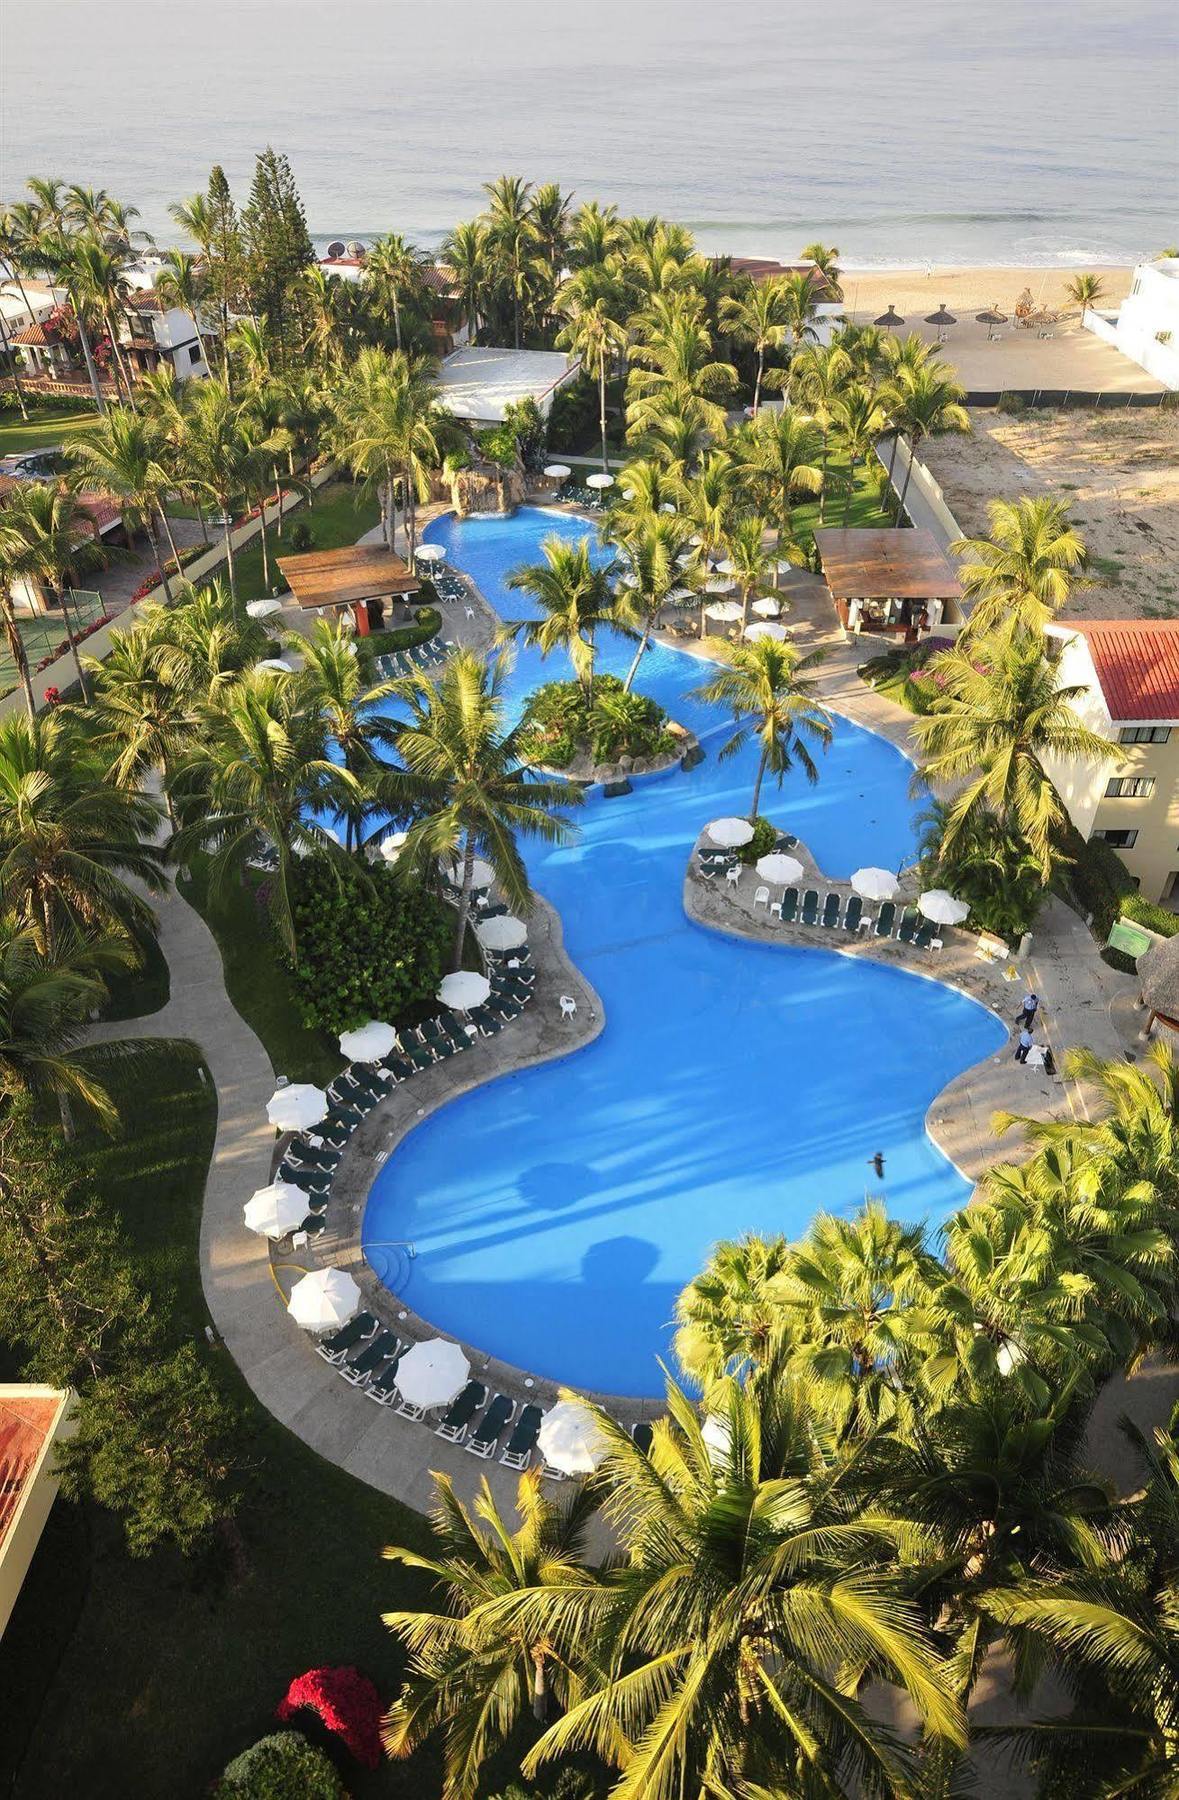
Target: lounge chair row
pixel 449 588
pixel 574 494
pixel 910 928
pixel 430 655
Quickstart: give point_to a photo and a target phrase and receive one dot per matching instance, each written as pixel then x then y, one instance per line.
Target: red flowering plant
pixel 52 696
pixel 348 1704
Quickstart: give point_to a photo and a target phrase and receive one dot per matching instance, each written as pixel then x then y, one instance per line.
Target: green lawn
pixel 42 427
pixel 865 511
pixel 341 514
pixel 255 980
pixel 124 1676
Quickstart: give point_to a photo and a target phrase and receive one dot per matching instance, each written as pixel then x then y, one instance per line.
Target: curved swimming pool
pixel 556 1212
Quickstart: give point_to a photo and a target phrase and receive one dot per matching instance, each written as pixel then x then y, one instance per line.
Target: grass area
pixel 43 426
pixel 866 510
pixel 341 514
pixel 257 984
pixel 143 1676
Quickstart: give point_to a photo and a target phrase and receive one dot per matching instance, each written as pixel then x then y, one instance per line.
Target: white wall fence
pixel 925 502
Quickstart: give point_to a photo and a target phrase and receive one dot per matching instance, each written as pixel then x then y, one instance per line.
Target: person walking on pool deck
pixel 1025 1043
pixel 1027 1012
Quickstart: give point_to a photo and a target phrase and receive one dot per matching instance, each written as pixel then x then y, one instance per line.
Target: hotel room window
pixel 1130 787
pixel 1118 840
pixel 1144 734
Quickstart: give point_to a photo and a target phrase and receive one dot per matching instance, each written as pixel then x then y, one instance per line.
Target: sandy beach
pixel 967 291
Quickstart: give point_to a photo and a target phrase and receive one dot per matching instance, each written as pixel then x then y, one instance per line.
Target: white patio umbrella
pixel 297 1107
pixel 628 493
pixel 503 933
pixel 767 608
pixel 263 609
pixel 678 595
pixel 277 663
pixel 667 507
pixel 464 989
pixel 429 553
pixel 875 884
pixel 601 481
pixel 726 567
pixel 558 471
pixel 730 834
pixel 727 611
pixel 482 873
pixel 571 1439
pixel 392 846
pixel 942 907
pixel 369 1041
pixel 432 1373
pixel 696 540
pixel 718 584
pixel 767 628
pixel 783 567
pixel 324 1300
pixel 778 867
pixel 275 1210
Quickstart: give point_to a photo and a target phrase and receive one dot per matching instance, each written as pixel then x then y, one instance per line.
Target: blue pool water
pixel 557 1212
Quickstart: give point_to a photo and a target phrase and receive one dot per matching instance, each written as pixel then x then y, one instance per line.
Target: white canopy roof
pixel 478 382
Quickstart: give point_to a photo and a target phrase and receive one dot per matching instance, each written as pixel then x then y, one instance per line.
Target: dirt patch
pixel 1119 471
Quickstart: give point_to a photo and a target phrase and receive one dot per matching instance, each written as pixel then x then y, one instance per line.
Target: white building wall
pixel 1081 785
pixel 1146 328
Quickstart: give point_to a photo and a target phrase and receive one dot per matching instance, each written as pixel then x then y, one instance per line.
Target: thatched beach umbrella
pixel 942 316
pixel 992 316
pixel 890 318
pixel 1158 970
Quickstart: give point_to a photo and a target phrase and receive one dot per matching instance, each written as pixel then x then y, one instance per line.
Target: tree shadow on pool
pixel 553 1186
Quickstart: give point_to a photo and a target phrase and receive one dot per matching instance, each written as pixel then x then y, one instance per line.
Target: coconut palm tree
pixel 799 312
pixel 181 282
pixel 594 235
pixel 219 459
pixel 123 457
pixel 765 687
pixel 908 352
pixel 729 1317
pixel 710 495
pixel 779 459
pixel 464 771
pixel 52 249
pixel 576 600
pixel 1085 291
pixel 1021 573
pixel 754 564
pixel 466 252
pixel 337 688
pixel 71 842
pixel 758 1593
pixel 675 368
pixel 757 317
pixel 322 295
pixel 45 534
pixel 589 303
pixel 46 1003
pixel 1000 718
pixel 657 561
pixel 819 376
pixel 140 718
pixel 924 402
pixel 257 772
pixel 859 420
pixel 392 273
pixel 512 235
pixel 99 291
pixel 12 551
pixel 204 643
pixel 644 488
pixel 473 1674
pixel 826 259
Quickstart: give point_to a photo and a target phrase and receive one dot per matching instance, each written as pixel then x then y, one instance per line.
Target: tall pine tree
pixel 225 253
pixel 278 249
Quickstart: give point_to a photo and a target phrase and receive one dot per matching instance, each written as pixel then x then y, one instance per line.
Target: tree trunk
pixel 265 546
pixel 227 529
pixel 160 569
pixel 200 512
pixel 634 667
pixel 171 540
pixel 823 473
pixel 761 770
pixel 120 361
pixel 88 357
pixel 913 443
pixel 278 502
pixel 540 1695
pixel 464 905
pixel 15 367
pixel 851 489
pixel 396 317
pixel 16 649
pixel 892 459
pixel 602 406
pixel 411 515
pixel 73 642
pixel 761 359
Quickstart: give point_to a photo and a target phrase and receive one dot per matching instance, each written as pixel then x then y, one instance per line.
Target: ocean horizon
pixel 1013 136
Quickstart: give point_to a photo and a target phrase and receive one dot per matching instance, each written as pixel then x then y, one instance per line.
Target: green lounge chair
pixel 908 927
pixel 886 919
pixel 854 913
pixel 369 1361
pixel 461 1411
pixel 925 934
pixel 521 1444
pixel 487 1433
pixel 810 907
pixel 789 906
pixel 831 912
pixel 335 1348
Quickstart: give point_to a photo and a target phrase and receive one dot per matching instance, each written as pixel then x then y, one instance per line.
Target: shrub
pixel 1145 912
pixel 1096 880
pixel 765 836
pixel 557 722
pixel 573 417
pixel 526 422
pixel 427 620
pixel 283 1766
pixel 348 1704
pixel 300 536
pixel 371 946
pixel 1012 403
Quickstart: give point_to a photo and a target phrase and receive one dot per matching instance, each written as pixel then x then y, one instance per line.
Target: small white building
pixel 479 382
pixel 155 333
pixel 1146 325
pixel 41 300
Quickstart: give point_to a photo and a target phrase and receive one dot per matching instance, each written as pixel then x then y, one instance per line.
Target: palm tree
pixel 46 1002
pixel 512 235
pixel 218 457
pixel 1086 291
pixel 198 218
pixel 123 457
pixel 12 552
pixel 322 294
pixel 764 685
pixel 576 600
pixel 337 689
pixel 826 258
pixel 465 769
pixel 1000 718
pixel 729 1317
pixel 909 352
pixel 257 772
pixel 780 457
pixel 140 718
pixel 676 370
pixel 181 282
pixel 466 252
pixel 389 428
pixel 644 488
pixel 392 270
pixel 204 643
pixel 754 564
pixel 758 1593
pixel 99 289
pixel 709 498
pixel 859 421
pixel 757 317
pixel 798 316
pixel 819 377
pixel 1021 573
pixel 70 840
pixel 1136 1138
pixel 658 561
pixel 594 235
pixel 474 1673
pixel 44 534
pixel 592 331
pixel 923 402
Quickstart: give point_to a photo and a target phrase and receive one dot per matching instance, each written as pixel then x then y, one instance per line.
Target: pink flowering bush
pixel 348 1704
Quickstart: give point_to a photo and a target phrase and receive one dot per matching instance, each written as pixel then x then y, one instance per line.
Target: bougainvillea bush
pixel 347 1703
pixel 283 1766
pixel 370 946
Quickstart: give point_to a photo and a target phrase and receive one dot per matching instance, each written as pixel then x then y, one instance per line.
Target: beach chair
pixel 831 907
pixel 789 908
pixel 314 1225
pixel 907 927
pixel 733 874
pixel 335 1348
pixel 785 842
pixel 854 914
pixel 886 919
pixel 810 907
pixel 318 1202
pixel 490 1429
pixel 924 935
pixel 460 1412
pixel 307 1155
pixel 312 1181
pixel 383 1387
pixel 367 1075
pixel 357 1372
pixel 486 1023
pixel 762 896
pixel 517 1453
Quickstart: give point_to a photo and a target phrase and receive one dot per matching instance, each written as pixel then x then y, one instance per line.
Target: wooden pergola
pixel 894 582
pixel 351 577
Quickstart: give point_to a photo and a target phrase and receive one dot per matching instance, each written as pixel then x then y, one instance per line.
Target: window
pixel 1118 840
pixel 1130 787
pixel 194 355
pixel 1144 734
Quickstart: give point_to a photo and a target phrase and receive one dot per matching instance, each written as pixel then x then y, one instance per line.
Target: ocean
pixel 1016 132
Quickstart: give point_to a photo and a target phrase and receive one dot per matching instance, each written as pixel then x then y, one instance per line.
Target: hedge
pixel 370 946
pixel 1158 919
pixel 283 1766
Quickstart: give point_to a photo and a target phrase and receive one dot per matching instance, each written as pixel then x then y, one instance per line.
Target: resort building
pixel 1146 325
pixel 891 584
pixel 829 311
pixel 1129 671
pixel 26 303
pixel 478 383
pixel 32 1420
pixel 153 334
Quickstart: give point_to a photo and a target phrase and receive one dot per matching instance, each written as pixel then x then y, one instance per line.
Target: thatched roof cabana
pixel 1158 971
pixel 348 577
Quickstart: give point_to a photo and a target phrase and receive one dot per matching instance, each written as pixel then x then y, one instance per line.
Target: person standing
pixel 1025 1043
pixel 1027 1012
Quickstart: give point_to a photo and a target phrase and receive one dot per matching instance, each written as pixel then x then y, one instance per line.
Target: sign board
pixel 1130 939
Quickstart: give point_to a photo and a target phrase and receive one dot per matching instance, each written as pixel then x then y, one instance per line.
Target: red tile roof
pixel 25 1423
pixel 101 508
pixel 1137 664
pixel 33 334
pixel 145 300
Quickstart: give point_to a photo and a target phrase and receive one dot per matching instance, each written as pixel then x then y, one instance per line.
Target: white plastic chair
pixel 568 1006
pixel 762 898
pixel 776 907
pixel 733 875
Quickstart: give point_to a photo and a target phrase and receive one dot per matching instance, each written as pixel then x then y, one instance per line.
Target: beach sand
pixel 868 292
